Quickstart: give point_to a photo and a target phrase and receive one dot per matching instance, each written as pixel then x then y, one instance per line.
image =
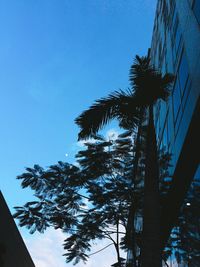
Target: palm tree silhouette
pixel 148 85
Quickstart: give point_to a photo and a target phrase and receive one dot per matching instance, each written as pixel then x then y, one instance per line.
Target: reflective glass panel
pixel 183 72
pixel 196 9
pixel 176 99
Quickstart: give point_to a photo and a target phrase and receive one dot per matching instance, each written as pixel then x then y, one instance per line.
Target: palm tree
pixel 150 86
pixel 147 86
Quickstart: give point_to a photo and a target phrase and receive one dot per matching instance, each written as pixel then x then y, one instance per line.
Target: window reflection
pixel 177 34
pixel 196 9
pixel 181 90
pixel 165 140
pixel 176 38
pixel 183 72
pixel 186 92
pixel 176 99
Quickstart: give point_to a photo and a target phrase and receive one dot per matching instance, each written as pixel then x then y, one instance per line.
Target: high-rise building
pixel 175 49
pixel 13 252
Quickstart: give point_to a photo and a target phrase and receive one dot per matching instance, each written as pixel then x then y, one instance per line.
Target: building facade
pixel 175 49
pixel 13 252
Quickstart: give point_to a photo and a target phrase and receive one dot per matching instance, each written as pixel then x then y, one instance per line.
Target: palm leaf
pixel 148 84
pixel 118 105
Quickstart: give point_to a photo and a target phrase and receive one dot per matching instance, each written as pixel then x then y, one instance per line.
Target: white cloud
pixel 46 251
pixel 112 134
pixel 81 143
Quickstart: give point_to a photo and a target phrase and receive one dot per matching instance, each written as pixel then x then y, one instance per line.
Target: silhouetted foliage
pixel 148 85
pixel 96 206
pixel 87 202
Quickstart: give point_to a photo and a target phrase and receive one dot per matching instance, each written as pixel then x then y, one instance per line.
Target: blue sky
pixel 56 58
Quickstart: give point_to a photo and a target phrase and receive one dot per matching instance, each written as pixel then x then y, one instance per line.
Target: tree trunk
pixel 131 216
pixel 151 251
pixel 118 255
pixel 117 245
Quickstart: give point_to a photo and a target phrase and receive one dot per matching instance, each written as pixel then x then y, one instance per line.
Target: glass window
pixel 163 113
pixel 196 9
pixel 176 38
pixel 163 70
pixel 174 24
pixel 158 128
pixel 164 138
pixel 186 92
pixel 183 72
pixel 170 126
pixel 178 120
pixel 167 130
pixel 176 99
pixel 173 13
pixel 191 2
pixel 197 174
pixel 164 135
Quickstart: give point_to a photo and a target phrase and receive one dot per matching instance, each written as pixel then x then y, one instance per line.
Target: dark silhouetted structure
pixel 13 252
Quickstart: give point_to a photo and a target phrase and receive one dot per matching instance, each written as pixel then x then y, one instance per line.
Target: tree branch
pixel 100 249
pixel 82 196
pixel 165 263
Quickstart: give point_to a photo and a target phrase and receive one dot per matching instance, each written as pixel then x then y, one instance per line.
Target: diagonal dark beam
pixel 182 178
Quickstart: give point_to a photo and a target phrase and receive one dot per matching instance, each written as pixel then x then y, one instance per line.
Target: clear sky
pixel 56 58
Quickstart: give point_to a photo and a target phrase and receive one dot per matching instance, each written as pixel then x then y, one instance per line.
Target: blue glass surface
pixel 165 141
pixel 177 39
pixel 178 121
pixel 186 92
pixel 173 18
pixel 183 72
pixel 197 174
pixel 176 99
pixel 170 123
pixel 196 9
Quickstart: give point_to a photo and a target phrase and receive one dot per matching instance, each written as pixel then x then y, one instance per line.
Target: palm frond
pixel 139 65
pixel 104 110
pixel 148 83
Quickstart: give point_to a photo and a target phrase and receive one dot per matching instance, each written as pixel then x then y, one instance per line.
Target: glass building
pixel 175 49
